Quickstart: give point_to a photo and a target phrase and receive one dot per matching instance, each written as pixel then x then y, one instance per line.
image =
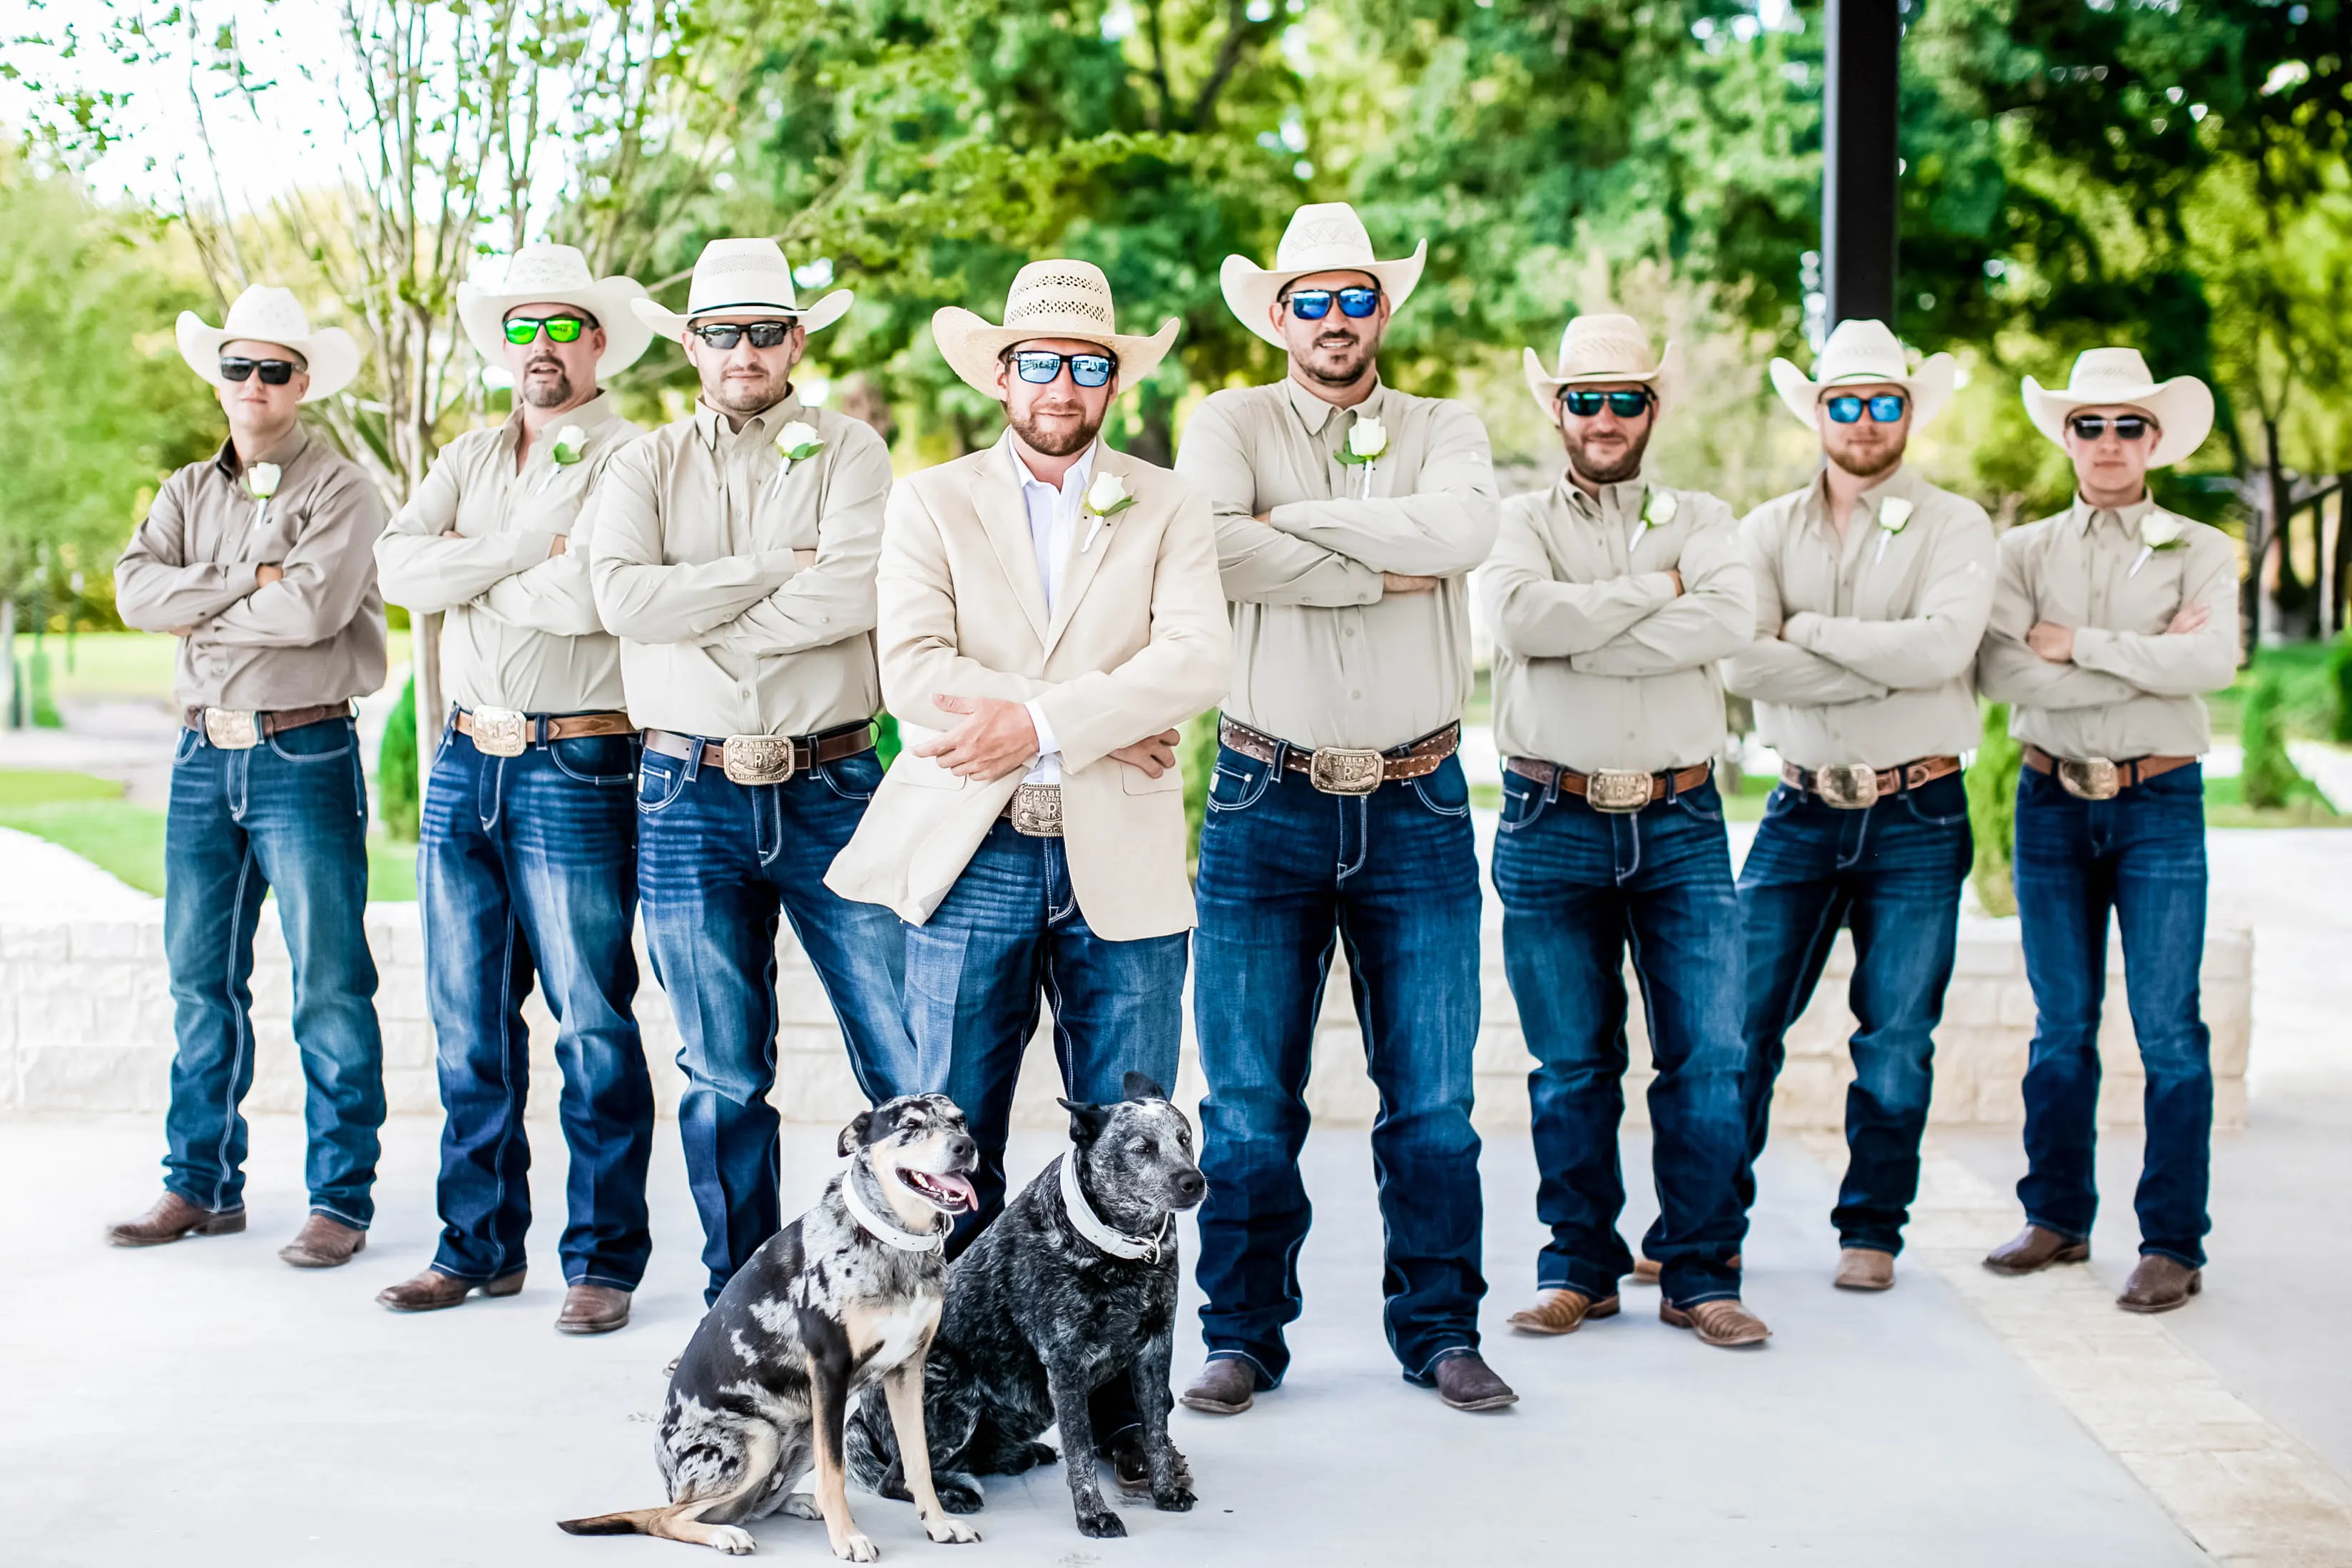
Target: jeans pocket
pixel 1940 803
pixel 1784 799
pixel 186 748
pixel 658 784
pixel 1523 801
pixel 320 742
pixel 1447 792
pixel 853 777
pixel 1238 782
pixel 1702 803
pixel 609 760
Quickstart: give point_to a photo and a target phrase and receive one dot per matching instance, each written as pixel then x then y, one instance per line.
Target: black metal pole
pixel 1858 160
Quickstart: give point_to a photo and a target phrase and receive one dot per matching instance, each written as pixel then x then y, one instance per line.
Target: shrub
pixel 395 769
pixel 2339 688
pixel 1196 754
pixel 2268 779
pixel 887 744
pixel 1993 811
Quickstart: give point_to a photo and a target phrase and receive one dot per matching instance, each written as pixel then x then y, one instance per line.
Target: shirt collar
pixel 1315 413
pixel 591 416
pixel 2127 518
pixel 1081 472
pixel 1902 482
pixel 1625 497
pixel 296 442
pixel 712 425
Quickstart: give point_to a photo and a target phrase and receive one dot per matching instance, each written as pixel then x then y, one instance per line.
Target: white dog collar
pixel 889 1233
pixel 1090 1224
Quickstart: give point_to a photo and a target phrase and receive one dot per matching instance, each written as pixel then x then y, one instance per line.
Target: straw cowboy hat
pixel 557 274
pixel 737 275
pixel 2181 407
pixel 1606 351
pixel 266 315
pixel 1326 236
pixel 1862 353
pixel 1048 300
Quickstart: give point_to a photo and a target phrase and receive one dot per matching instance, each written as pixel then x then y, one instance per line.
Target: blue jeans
pixel 2141 854
pixel 1287 873
pixel 527 870
pixel 290 816
pixel 1579 888
pixel 719 863
pixel 1893 872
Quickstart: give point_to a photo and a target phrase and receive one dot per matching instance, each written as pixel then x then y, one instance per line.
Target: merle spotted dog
pixel 845 1295
pixel 1073 1285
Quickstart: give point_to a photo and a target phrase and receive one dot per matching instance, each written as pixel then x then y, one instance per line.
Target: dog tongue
pixel 960 1185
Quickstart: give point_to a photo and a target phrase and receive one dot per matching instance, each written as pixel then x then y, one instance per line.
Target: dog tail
pixel 631 1524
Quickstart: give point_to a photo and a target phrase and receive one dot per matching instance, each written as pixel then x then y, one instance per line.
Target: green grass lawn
pixel 125 663
pixel 2306 703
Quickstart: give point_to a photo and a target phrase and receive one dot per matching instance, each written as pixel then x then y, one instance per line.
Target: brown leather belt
pixel 1342 770
pixel 1610 789
pixel 508 732
pixel 241 730
pixel 2095 778
pixel 1851 786
pixel 765 759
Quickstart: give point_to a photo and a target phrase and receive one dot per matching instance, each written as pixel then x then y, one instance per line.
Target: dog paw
pixel 894 1484
pixel 857 1549
pixel 949 1532
pixel 801 1505
pixel 733 1540
pixel 958 1493
pixel 1178 1500
pixel 1032 1456
pixel 1103 1526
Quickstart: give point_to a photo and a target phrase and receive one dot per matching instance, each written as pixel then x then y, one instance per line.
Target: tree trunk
pixel 2339 591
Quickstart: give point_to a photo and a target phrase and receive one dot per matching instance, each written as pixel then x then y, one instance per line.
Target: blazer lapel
pixel 1079 574
pixel 995 497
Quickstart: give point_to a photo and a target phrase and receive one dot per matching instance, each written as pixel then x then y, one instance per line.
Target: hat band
pixel 692 310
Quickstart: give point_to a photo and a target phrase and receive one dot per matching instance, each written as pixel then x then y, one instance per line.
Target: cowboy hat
pixel 266 315
pixel 732 276
pixel 1599 351
pixel 2181 407
pixel 1861 353
pixel 1048 300
pixel 557 274
pixel 1325 236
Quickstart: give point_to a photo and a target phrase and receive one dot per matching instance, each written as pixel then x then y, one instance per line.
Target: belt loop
pixel 450 724
pixel 1281 757
pixel 693 757
pixel 1551 785
pixel 1673 786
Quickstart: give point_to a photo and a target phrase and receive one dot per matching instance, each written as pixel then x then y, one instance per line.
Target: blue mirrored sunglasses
pixel 1884 409
pixel 1039 368
pixel 1314 304
pixel 1622 404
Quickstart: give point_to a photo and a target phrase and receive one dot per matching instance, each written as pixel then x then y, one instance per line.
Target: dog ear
pixel 853 1135
pixel 1141 1085
pixel 1086 1121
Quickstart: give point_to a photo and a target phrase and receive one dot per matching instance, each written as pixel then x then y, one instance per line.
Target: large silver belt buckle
pixel 232 730
pixel 1037 810
pixel 1615 790
pixel 1849 786
pixel 2094 778
pixel 500 731
pixel 757 759
pixel 1339 770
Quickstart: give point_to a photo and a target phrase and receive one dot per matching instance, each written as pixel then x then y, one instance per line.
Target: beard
pixel 744 396
pixel 1339 362
pixel 1601 472
pixel 1060 439
pixel 1870 465
pixel 542 391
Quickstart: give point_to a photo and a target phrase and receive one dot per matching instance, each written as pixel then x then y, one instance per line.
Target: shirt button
pixel 1358 695
pixel 1348 631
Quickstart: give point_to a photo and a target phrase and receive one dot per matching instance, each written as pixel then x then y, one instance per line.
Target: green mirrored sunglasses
pixel 521 329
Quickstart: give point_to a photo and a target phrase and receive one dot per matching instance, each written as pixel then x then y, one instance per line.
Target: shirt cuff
pixel 1660 585
pixel 1800 628
pixel 1046 745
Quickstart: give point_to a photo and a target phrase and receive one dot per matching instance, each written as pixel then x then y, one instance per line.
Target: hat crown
pixel 1862 349
pixel 747 272
pixel 2098 370
pixel 1061 294
pixel 1603 345
pixel 1321 235
pixel 268 315
pixel 547 266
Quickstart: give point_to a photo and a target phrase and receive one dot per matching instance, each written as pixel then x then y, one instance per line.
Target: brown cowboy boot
pixel 1466 1382
pixel 592 1310
pixel 2158 1284
pixel 322 1243
pixel 1562 1312
pixel 172 1218
pixel 433 1290
pixel 1865 1269
pixel 1722 1321
pixel 1227 1386
pixel 2034 1249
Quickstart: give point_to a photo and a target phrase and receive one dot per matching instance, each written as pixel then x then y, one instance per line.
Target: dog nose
pixel 1190 1183
pixel 963 1148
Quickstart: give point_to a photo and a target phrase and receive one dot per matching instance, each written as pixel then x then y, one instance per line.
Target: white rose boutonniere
pixel 1894 515
pixel 1367 442
pixel 799 441
pixel 1659 507
pixel 1106 499
pixel 565 447
pixel 261 483
pixel 2158 530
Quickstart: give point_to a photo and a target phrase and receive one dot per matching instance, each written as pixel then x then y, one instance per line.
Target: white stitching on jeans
pixel 238 1022
pixel 506 1081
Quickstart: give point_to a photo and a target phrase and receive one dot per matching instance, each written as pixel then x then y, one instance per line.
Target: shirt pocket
pixel 790 504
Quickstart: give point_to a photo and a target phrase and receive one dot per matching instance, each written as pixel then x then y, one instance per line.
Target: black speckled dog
pixel 845 1295
pixel 1073 1285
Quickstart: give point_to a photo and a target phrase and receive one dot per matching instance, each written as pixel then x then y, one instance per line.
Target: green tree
pixel 396 770
pixel 1992 812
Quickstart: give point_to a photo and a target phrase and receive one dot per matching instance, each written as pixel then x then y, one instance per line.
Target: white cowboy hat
pixel 266 315
pixel 556 275
pixel 1600 349
pixel 2181 407
pixel 1326 236
pixel 736 275
pixel 1056 298
pixel 1859 352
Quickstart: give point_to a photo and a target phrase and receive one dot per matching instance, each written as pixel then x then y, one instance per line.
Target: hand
pixel 452 531
pixel 1155 754
pixel 2054 643
pixel 559 545
pixel 1404 582
pixel 997 738
pixel 804 559
pixel 265 574
pixel 1265 517
pixel 1677 576
pixel 2192 617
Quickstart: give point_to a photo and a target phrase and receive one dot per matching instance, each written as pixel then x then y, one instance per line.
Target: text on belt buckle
pixel 1848 787
pixel 757 759
pixel 500 731
pixel 1615 791
pixel 1339 770
pixel 1037 810
pixel 2094 778
pixel 232 730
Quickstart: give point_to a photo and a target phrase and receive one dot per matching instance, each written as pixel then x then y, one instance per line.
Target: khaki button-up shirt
pixel 315 636
pixel 2132 689
pixel 1865 646
pixel 1599 662
pixel 519 625
pixel 741 586
pixel 1323 657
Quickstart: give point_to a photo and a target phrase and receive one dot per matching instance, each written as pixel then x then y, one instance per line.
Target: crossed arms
pixel 308 596
pixel 1645 623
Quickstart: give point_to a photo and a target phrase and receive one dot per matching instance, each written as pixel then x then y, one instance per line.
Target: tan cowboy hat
pixel 1603 351
pixel 557 274
pixel 266 315
pixel 2181 407
pixel 1326 236
pixel 734 275
pixel 1860 352
pixel 1048 300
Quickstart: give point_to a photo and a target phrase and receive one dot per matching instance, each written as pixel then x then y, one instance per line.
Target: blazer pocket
pixel 927 774
pixel 1134 781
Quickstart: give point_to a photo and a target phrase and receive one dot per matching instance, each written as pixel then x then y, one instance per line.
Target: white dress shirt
pixel 1053 529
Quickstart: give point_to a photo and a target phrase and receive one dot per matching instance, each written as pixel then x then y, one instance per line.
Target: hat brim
pixel 970 345
pixel 1929 388
pixel 2181 407
pixel 627 335
pixel 1250 289
pixel 1544 386
pixel 814 317
pixel 329 357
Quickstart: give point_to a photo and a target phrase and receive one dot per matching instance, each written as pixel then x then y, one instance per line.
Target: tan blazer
pixel 1139 644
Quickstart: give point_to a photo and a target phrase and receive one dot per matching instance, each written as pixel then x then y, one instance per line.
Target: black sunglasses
pixel 1885 408
pixel 1314 304
pixel 1039 368
pixel 727 334
pixel 521 329
pixel 274 372
pixel 1624 404
pixel 2126 426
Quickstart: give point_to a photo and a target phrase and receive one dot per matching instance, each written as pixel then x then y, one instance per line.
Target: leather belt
pixel 1610 789
pixel 1853 786
pixel 2096 778
pixel 508 732
pixel 1035 810
pixel 765 759
pixel 1343 770
pixel 241 730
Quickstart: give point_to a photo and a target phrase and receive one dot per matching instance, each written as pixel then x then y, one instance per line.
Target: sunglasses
pixel 1624 404
pixel 1314 304
pixel 1039 368
pixel 521 329
pixel 1884 409
pixel 727 334
pixel 2126 426
pixel 274 372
